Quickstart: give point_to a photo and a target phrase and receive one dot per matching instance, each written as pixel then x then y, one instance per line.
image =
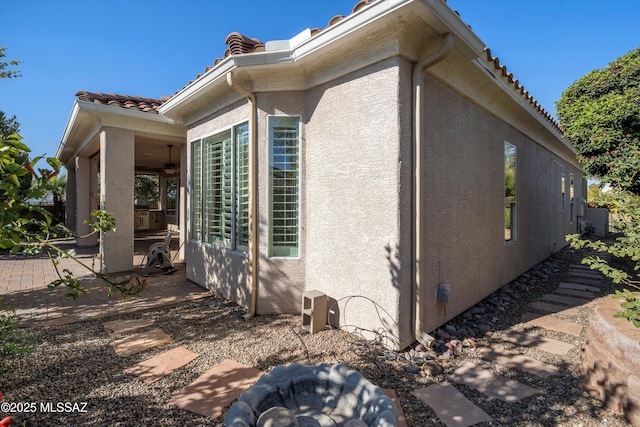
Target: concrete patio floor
pixel 24 280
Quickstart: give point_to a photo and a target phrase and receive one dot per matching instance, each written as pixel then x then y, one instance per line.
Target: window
pixel 562 191
pixel 146 188
pixel 509 192
pixel 220 186
pixel 284 185
pixel 171 196
pixel 571 197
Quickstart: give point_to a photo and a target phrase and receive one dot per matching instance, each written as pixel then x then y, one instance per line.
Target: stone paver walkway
pixel 24 280
pixel 140 342
pixel 151 370
pixel 455 410
pixel 451 406
pixel 217 388
pixel 23 288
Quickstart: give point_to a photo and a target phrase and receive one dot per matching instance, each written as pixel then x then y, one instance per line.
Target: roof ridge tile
pixel 122 101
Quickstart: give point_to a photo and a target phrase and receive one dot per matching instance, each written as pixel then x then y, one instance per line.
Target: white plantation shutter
pixel 196 197
pixel 284 159
pixel 242 187
pixel 220 185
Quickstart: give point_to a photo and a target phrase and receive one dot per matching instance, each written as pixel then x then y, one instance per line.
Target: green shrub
pixel 15 343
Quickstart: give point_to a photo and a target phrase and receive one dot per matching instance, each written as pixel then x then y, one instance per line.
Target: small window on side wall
pixel 571 197
pixel 509 192
pixel 562 192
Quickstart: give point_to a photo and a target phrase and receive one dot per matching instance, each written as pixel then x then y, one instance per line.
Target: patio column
pixel 70 200
pixel 83 202
pixel 182 200
pixel 116 196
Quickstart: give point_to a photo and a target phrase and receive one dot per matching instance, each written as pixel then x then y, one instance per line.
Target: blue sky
pixel 155 47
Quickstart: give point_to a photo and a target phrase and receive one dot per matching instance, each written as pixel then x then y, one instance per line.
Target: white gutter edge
pixel 125 112
pixel 215 75
pixel 305 46
pixel 67 129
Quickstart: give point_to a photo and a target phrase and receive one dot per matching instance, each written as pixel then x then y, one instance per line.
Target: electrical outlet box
pixel 443 293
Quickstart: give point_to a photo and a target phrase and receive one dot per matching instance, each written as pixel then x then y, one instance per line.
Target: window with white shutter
pixel 220 202
pixel 196 185
pixel 284 184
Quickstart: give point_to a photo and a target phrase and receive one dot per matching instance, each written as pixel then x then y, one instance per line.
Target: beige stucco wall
pixel 281 279
pixel 355 202
pixel 218 269
pixel 463 204
pixel 599 220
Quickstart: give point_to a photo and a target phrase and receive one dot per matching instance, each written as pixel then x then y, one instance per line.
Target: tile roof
pixel 147 105
pixel 240 44
pixel 516 84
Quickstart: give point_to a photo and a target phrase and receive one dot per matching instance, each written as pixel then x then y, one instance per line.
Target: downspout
pixel 418 103
pixel 253 196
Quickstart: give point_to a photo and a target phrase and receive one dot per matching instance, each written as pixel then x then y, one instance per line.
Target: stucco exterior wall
pixel 219 269
pixel 354 199
pixel 281 279
pixel 599 219
pixel 463 204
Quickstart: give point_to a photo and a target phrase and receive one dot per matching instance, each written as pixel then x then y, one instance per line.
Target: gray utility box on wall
pixel 314 311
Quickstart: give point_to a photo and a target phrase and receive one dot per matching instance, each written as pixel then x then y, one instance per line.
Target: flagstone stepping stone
pixel 153 369
pixel 120 326
pixel 553 323
pixel 564 300
pixel 214 390
pixel 575 293
pixel 553 308
pixel 590 274
pixel 584 280
pixel 518 361
pixel 578 287
pixel 451 406
pixel 391 394
pixel 492 385
pixel 579 267
pixel 140 342
pixel 538 342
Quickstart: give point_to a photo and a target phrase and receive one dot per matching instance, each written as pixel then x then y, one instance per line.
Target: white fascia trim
pixel 299 46
pixel 455 25
pixel 520 99
pixel 210 78
pixel 125 112
pixel 347 25
pixel 67 129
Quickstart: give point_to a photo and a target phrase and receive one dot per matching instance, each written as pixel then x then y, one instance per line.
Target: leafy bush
pixel 600 116
pixel 15 343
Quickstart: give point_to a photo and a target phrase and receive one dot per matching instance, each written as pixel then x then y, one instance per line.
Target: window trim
pixel 563 186
pixel 203 238
pixel 571 198
pixel 270 217
pixel 171 211
pixel 512 203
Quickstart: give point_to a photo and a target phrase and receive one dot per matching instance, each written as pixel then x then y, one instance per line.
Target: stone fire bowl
pixel 312 396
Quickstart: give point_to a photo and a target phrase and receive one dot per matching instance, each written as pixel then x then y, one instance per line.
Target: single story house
pixel 387 160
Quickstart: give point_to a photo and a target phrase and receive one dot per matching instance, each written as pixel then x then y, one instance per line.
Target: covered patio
pixel 108 140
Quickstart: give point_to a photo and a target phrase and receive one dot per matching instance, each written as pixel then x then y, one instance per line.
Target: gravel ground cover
pixel 75 363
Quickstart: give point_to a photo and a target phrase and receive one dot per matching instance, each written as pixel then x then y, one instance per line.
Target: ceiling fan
pixel 170 168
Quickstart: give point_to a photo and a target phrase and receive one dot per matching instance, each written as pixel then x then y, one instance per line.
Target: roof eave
pixel 90 115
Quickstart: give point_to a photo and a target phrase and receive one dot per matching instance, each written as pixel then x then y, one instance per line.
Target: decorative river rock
pixel 312 396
